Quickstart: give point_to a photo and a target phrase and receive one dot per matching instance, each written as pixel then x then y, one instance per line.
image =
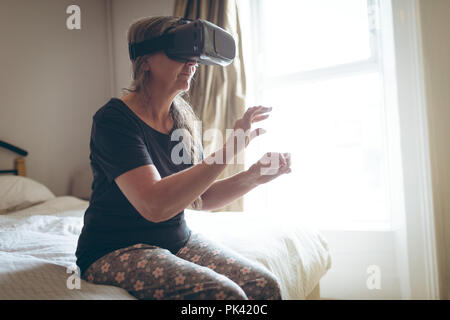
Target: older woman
pixel 134 234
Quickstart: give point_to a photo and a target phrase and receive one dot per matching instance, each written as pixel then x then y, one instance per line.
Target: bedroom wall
pixel 52 81
pixel 435 23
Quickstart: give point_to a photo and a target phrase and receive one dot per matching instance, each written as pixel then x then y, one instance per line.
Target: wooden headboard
pixel 19 162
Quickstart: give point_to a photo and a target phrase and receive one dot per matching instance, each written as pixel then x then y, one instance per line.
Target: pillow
pixel 18 193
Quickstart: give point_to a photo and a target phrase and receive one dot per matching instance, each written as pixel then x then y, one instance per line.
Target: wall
pixel 435 23
pixel 354 255
pixel 52 81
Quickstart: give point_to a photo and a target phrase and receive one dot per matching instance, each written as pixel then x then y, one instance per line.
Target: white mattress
pixel 37 245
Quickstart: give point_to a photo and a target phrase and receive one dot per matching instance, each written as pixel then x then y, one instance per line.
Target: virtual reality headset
pixel 194 40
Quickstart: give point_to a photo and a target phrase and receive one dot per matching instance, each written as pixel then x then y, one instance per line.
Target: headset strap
pixel 152 45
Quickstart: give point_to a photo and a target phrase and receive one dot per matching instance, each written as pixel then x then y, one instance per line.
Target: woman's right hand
pixel 242 134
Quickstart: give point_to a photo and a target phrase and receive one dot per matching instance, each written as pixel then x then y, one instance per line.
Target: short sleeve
pixel 117 145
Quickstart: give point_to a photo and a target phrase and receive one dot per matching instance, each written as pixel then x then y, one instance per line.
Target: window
pixel 318 64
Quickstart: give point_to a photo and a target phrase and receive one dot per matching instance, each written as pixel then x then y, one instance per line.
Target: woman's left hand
pixel 269 167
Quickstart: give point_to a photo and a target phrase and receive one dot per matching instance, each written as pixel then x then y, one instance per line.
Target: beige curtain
pixel 217 93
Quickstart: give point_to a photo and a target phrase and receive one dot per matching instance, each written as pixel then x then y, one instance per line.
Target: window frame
pixel 362 66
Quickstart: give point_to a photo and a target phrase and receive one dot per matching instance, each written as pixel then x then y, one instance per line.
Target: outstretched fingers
pixel 286 162
pixel 256 111
pixel 260 117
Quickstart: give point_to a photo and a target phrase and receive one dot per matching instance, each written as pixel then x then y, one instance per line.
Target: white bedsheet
pixel 37 245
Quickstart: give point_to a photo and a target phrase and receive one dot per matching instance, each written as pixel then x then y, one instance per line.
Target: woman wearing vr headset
pixel 134 234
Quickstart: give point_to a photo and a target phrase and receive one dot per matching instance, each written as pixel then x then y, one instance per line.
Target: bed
pixel 39 232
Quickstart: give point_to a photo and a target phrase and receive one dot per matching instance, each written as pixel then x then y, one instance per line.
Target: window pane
pixel 301 35
pixel 334 131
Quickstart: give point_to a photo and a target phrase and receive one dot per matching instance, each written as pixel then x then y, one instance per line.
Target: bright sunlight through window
pixel 317 64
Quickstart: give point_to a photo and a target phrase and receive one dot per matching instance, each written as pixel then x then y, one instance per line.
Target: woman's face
pixel 172 74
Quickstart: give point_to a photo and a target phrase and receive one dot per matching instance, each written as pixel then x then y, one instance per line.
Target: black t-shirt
pixel 121 141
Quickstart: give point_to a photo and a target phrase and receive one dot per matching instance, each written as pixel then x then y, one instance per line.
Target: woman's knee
pixel 217 287
pixel 274 291
pixel 229 290
pixel 265 286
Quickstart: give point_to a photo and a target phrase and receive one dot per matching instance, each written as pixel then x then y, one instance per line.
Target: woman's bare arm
pixel 223 192
pixel 159 199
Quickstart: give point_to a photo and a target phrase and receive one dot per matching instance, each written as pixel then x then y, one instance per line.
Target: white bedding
pixel 37 245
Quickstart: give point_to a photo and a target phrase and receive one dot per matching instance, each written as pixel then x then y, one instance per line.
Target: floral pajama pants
pixel 201 269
